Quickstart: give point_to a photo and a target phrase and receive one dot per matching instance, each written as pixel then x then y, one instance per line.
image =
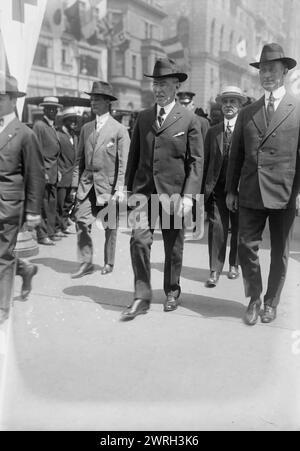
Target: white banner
pixel 20 24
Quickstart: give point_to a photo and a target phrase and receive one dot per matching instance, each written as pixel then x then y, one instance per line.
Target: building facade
pixel 65 62
pixel 140 25
pixel 224 36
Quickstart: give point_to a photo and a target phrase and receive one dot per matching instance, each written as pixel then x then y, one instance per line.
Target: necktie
pixel 160 116
pixel 228 131
pixel 270 107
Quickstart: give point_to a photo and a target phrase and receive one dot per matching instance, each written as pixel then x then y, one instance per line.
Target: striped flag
pixel 173 48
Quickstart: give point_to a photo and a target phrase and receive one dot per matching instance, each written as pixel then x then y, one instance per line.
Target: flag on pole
pixel 173 48
pixel 20 24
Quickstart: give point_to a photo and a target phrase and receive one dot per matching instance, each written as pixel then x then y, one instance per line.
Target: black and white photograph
pixel 149 218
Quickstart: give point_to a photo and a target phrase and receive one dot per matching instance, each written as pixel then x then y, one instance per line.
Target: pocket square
pixel 178 134
pixel 110 144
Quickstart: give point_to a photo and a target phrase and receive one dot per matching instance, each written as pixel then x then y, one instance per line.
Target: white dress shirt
pixel 278 95
pixel 101 120
pixel 7 119
pixel 168 108
pixel 230 122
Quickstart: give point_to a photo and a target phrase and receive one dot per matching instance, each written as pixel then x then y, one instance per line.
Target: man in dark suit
pixel 99 174
pixel 263 179
pixel 21 187
pixel 216 152
pixel 66 164
pixel 165 159
pixel 50 146
pixel 185 98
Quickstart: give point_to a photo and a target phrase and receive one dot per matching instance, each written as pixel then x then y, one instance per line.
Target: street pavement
pixel 69 363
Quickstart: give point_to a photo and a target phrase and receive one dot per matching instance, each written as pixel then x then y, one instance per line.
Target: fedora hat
pixel 51 101
pixel 10 85
pixel 165 67
pixel 185 96
pixel 274 52
pixel 231 91
pixel 102 88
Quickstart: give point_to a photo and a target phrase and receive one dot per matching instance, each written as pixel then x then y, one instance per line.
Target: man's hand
pixel 73 194
pixel 119 196
pixel 232 202
pixel 32 221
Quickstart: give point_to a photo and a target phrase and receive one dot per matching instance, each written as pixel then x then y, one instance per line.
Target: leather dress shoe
pixel 107 269
pixel 55 238
pixel 27 276
pixel 213 279
pixel 85 269
pixel 138 307
pixel 171 303
pixel 3 315
pixel 269 314
pixel 252 312
pixel 46 241
pixel 60 234
pixel 233 272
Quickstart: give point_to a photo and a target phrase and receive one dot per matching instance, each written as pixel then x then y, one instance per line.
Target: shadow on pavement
pixel 188 272
pixel 205 306
pixel 58 265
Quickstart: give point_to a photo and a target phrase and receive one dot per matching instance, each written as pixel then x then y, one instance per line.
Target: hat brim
pixel 100 94
pixel 65 116
pixel 290 62
pixel 58 105
pixel 16 93
pixel 220 97
pixel 180 75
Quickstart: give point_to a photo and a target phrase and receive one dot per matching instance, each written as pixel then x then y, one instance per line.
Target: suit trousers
pixel 252 223
pixel 64 204
pixel 140 250
pixel 8 239
pixel 219 216
pixel 86 213
pixel 47 226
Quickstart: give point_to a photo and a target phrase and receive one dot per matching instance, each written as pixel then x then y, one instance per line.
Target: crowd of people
pixel 244 160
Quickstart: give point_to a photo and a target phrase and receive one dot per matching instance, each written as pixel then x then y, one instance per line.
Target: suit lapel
pixel 259 116
pixel 153 120
pixel 172 117
pixel 9 132
pixel 286 106
pixel 219 137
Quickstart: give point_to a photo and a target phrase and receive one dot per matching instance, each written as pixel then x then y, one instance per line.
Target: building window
pixel 119 63
pixel 212 78
pixel 145 64
pixel 212 35
pixel 89 65
pixel 134 67
pixel 148 30
pixel 41 56
pixel 231 38
pixel 222 38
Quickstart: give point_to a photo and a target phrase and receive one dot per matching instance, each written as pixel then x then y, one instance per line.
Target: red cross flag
pixel 20 24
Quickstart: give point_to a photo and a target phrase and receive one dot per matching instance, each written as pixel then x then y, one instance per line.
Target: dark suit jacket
pixel 168 159
pixel 101 159
pixel 213 159
pixel 22 177
pixel 264 162
pixel 50 147
pixel 67 158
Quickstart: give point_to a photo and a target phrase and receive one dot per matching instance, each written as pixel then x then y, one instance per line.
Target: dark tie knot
pixel 162 111
pixel 1 121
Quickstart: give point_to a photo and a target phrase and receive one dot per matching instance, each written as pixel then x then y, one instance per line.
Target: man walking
pixel 21 188
pixel 99 174
pixel 50 146
pixel 165 159
pixel 216 151
pixel 263 179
